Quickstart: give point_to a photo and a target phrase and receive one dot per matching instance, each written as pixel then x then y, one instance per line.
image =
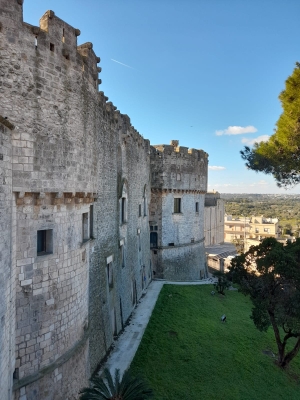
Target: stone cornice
pixel 54 198
pixel 182 191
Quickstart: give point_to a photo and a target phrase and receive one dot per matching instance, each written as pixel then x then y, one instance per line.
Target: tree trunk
pixel 290 355
pixel 280 345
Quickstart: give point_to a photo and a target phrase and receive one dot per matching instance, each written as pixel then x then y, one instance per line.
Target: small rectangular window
pixel 178 177
pixel 109 268
pixel 139 241
pixel 177 205
pixel 44 242
pixel 151 228
pixel 123 210
pixel 197 206
pixel 171 244
pixel 156 228
pixel 122 256
pixel 140 210
pixel 85 227
pixel 51 47
pixel 153 240
pixel 92 222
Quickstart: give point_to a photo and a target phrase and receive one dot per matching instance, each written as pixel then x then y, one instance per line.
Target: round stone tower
pixel 178 187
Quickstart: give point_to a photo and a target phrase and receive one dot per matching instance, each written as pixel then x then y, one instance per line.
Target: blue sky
pixel 205 72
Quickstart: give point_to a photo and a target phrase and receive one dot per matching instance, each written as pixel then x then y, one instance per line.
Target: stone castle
pixel 90 212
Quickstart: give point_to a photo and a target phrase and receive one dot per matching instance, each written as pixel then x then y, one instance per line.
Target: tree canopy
pixel 280 155
pixel 270 274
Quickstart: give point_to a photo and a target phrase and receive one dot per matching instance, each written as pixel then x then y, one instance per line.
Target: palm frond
pixel 107 388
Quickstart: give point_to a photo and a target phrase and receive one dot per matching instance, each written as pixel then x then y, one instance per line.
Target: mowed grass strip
pixel 188 353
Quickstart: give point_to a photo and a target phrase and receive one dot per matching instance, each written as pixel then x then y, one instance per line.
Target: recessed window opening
pixel 177 205
pixel 109 268
pixel 153 240
pixel 171 244
pixel 91 221
pixel 139 242
pixel 51 47
pixel 35 42
pixel 63 36
pixel 44 242
pixel 123 210
pixel 122 256
pixel 197 206
pixel 16 373
pixel 140 210
pixel 178 177
pixel 145 203
pixel 85 227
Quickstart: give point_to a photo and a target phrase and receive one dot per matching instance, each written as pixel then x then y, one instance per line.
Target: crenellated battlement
pixel 124 126
pixel 173 149
pixel 178 167
pixel 53 40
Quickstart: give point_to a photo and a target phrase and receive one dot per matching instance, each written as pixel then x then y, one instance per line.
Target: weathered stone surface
pixel 75 209
pixel 178 173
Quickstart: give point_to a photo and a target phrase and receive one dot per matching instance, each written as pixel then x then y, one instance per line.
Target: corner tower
pixel 178 187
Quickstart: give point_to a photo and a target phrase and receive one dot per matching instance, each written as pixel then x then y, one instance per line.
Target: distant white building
pixel 250 229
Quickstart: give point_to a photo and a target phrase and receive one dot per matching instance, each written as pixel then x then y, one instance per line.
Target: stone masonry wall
pixel 178 173
pixel 123 167
pixel 49 91
pixel 7 273
pixel 76 203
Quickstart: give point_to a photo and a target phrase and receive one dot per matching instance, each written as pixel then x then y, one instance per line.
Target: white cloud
pixel 250 142
pixel 215 168
pixel 237 130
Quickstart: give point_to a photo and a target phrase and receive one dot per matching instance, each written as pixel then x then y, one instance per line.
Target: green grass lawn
pixel 187 353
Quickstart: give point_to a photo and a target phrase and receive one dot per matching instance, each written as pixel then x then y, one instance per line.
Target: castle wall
pixel 7 273
pixel 49 91
pixel 76 202
pixel 179 183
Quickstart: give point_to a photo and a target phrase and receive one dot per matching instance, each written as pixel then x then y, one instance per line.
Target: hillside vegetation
pixel 286 208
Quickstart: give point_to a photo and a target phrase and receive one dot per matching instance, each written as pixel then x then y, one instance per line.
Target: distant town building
pixel 250 229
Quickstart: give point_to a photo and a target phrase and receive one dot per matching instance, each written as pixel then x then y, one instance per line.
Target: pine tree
pixel 280 156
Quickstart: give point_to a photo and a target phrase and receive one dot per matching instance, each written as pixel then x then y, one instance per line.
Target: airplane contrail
pixel 125 65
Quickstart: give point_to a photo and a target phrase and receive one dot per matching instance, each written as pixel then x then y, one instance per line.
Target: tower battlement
pixel 173 149
pixel 179 167
pixel 54 41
